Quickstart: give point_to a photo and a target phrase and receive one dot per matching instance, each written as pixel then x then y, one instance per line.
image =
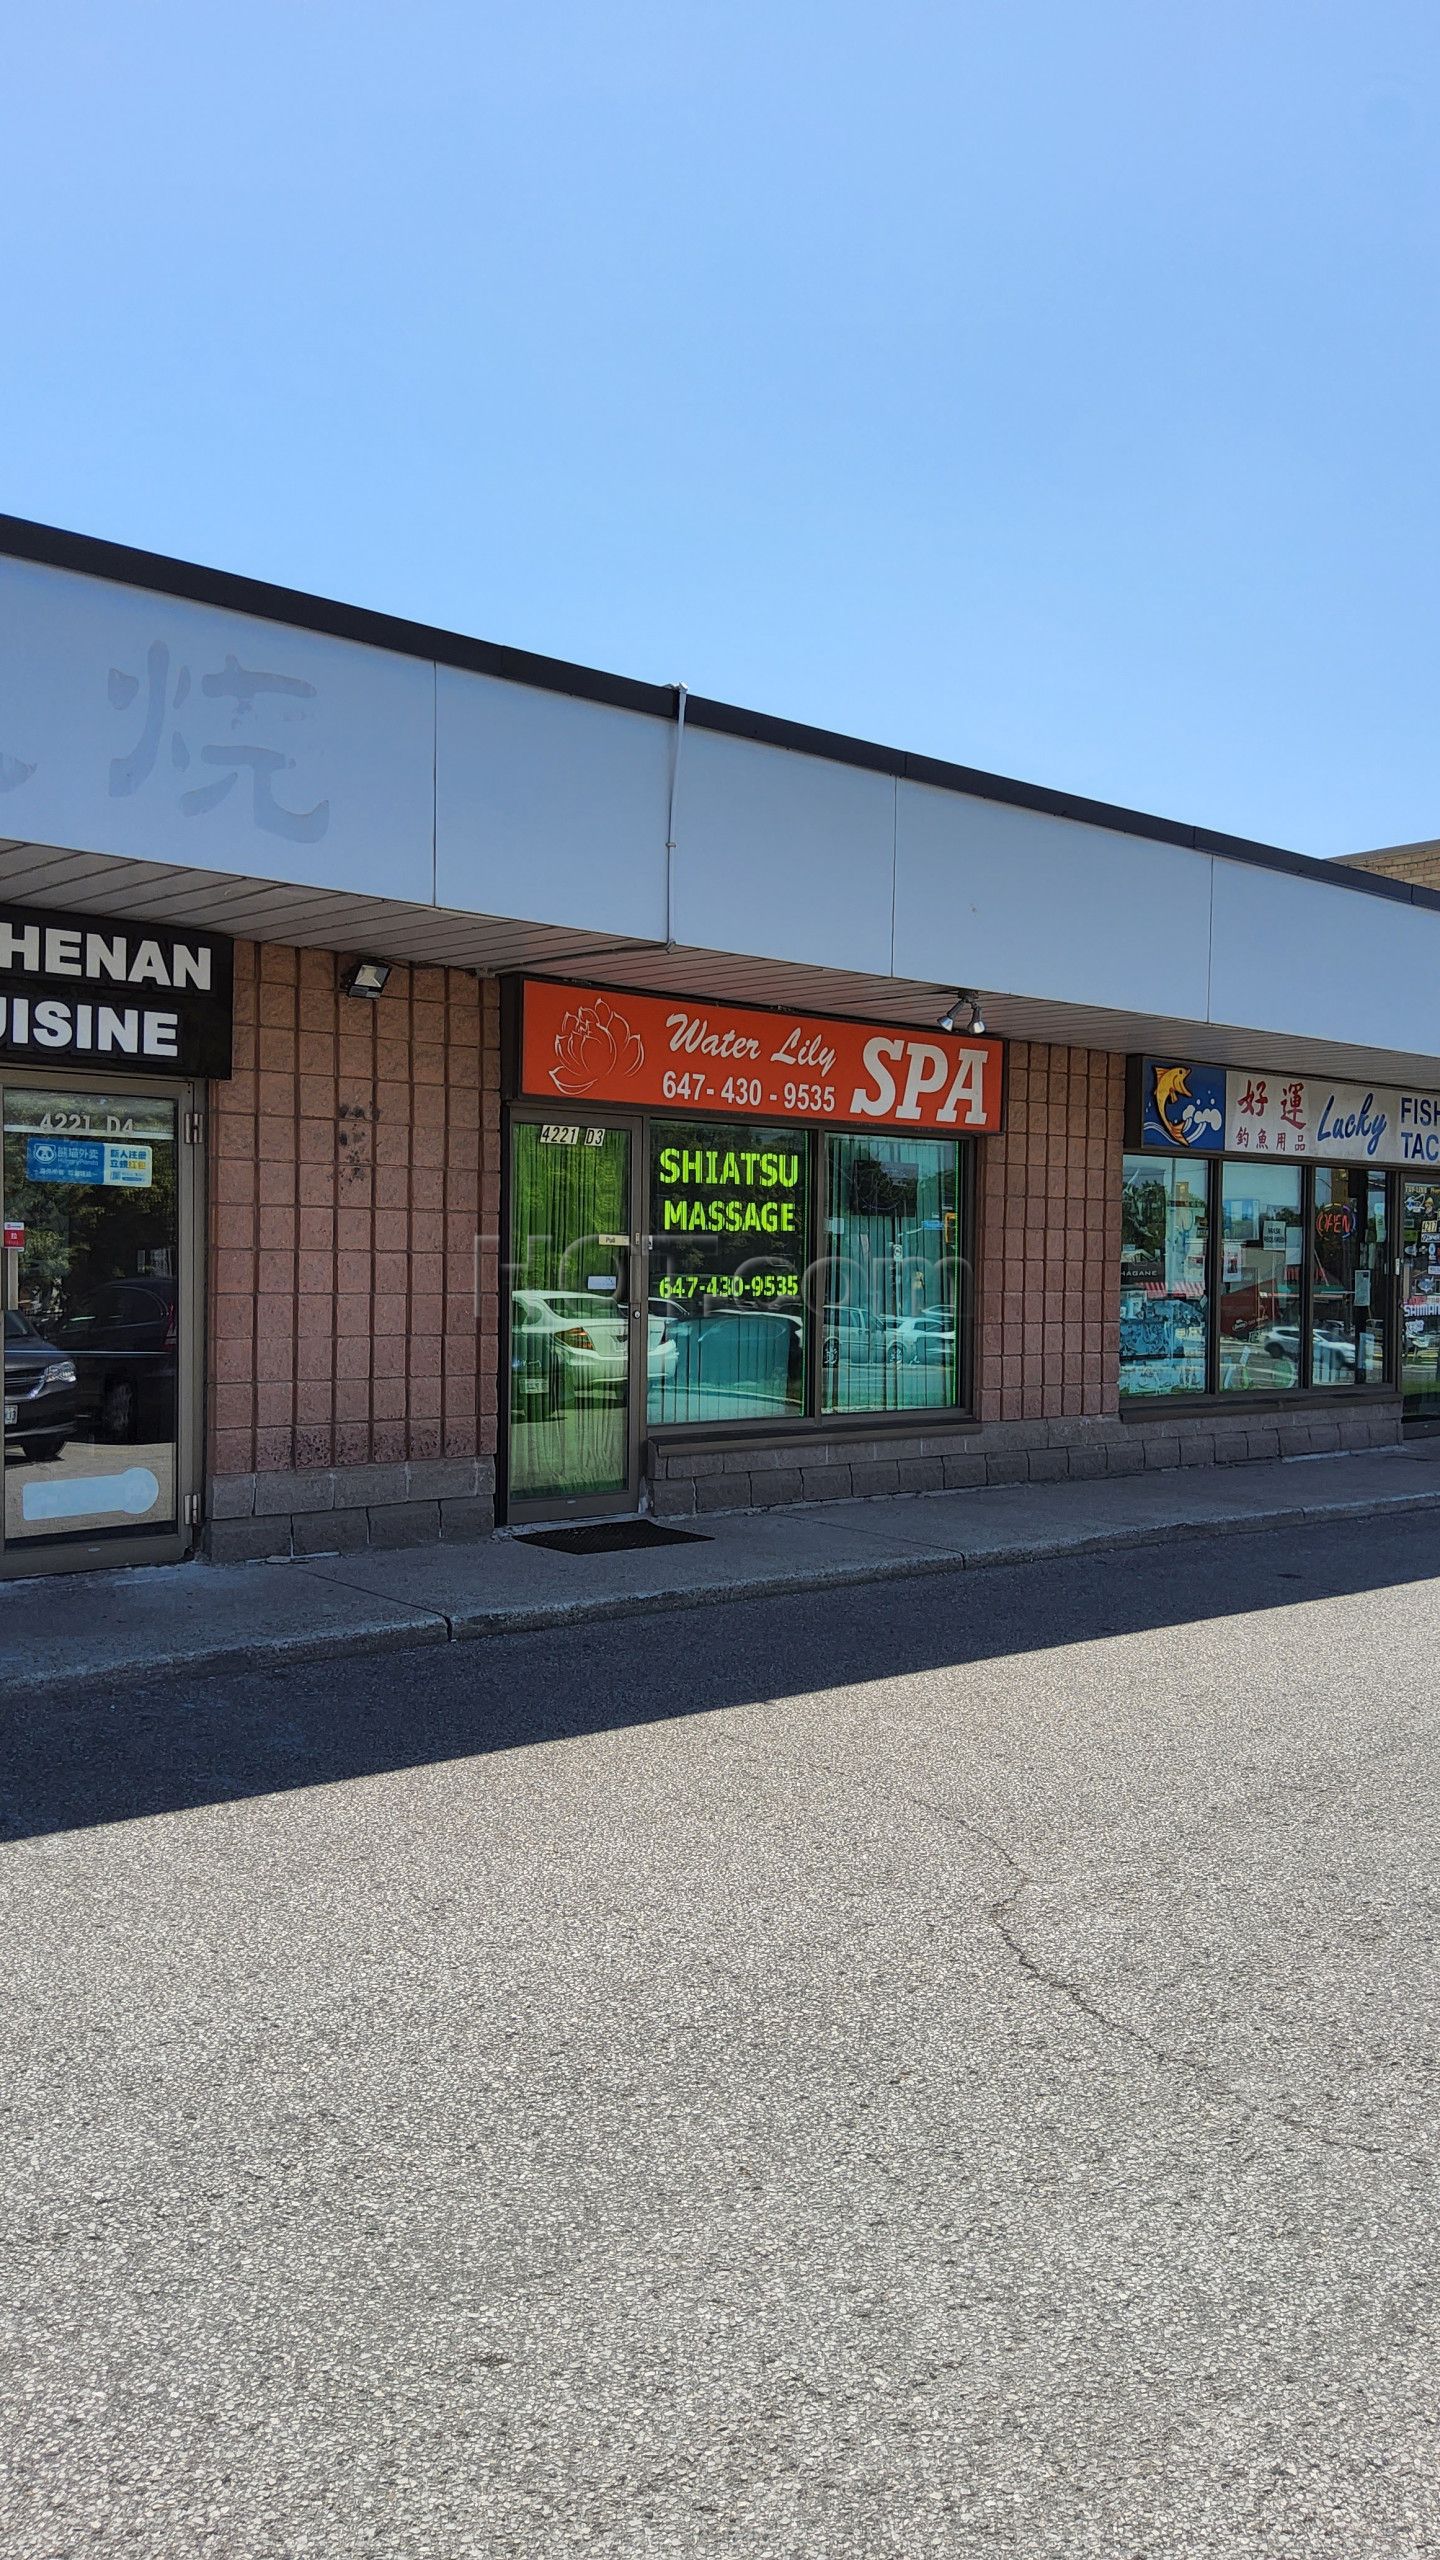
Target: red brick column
pixel 354 1161
pixel 1047 1335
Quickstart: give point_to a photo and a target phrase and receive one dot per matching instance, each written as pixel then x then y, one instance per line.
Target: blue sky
pixel 1045 385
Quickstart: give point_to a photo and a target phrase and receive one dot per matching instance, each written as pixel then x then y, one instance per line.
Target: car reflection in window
pixel 39 1391
pixel 123 1341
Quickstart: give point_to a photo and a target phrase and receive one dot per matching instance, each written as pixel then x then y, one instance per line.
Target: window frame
pixel 813 1423
pixel 783 1133
pixel 1393 1320
pixel 1217 1399
pixel 846 1416
pixel 1181 1396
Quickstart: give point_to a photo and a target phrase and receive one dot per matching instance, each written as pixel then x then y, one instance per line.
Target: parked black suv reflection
pixel 39 1390
pixel 122 1340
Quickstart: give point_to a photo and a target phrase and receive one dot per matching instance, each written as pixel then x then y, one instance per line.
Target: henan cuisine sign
pixel 582 1046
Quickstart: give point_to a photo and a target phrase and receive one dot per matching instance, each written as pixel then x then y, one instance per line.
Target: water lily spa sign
pixel 587 1046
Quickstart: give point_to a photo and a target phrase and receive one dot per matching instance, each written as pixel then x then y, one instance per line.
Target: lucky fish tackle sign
pixel 81 990
pixel 1181 1107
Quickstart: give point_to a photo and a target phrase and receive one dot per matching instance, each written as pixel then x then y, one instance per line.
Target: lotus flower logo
pixel 593 1044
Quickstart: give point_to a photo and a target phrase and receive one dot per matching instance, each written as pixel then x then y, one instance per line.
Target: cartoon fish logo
pixel 1172 1089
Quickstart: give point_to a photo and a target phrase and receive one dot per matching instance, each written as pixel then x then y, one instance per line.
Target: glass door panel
pixel 570 1314
pixel 92 1315
pixel 1349 1278
pixel 1420 1299
pixel 1261 1276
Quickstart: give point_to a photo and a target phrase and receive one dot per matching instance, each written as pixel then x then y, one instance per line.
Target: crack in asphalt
pixel 999 1917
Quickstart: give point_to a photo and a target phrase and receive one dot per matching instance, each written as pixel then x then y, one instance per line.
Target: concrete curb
pixel 423 1627
pixel 522 1620
pixel 262 1653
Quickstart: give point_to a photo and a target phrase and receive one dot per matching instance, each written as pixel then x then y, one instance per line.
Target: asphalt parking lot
pixel 942 2067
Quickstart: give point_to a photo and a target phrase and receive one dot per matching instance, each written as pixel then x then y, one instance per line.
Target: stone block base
pixel 837 1467
pixel 319 1511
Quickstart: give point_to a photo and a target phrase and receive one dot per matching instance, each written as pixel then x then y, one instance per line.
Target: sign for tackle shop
pixel 79 990
pixel 1184 1108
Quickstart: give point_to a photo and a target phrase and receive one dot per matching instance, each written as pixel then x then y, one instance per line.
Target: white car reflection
pixel 1334 1352
pixel 567 1343
pixel 923 1340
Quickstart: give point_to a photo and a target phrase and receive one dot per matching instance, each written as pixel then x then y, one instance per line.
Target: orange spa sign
pixel 585 1046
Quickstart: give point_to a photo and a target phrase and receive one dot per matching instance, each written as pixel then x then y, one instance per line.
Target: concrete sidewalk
pixel 58 1634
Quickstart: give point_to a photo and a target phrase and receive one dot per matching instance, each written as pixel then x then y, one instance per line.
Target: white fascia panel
pixel 1291 955
pixel 145 726
pixel 549 807
pixel 1021 903
pixel 783 855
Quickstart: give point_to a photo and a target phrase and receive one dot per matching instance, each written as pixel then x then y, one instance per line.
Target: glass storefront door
pixel 1420 1301
pixel 574 1319
pixel 98 1327
pixel 1350 1277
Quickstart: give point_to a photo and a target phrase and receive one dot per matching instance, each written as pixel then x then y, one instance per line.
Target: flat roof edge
pixel 93 556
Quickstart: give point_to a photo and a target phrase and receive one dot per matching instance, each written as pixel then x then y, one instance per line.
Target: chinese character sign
pixel 13 771
pixel 231 732
pixel 1189 1108
pixel 1267 1115
pixel 1286 1115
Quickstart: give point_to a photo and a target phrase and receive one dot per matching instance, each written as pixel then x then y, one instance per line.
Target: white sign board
pixel 1286 1116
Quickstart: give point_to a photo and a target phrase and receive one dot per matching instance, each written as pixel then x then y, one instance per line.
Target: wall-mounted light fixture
pixel 964 1014
pixel 366 978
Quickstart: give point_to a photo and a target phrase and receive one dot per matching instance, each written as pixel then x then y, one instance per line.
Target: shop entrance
pixel 1420 1301
pixel 576 1319
pixel 100 1322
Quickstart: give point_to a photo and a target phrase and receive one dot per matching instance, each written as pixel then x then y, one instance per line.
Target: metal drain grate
pixel 610 1537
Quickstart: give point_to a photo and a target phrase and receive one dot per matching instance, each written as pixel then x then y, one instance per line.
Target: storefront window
pixel 92 1314
pixel 569 1311
pixel 1262 1249
pixel 729 1220
pixel 1420 1298
pixel 1348 1284
pixel 1164 1306
pixel 890 1342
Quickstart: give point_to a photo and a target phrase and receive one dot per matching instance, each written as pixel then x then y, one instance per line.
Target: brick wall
pixel 1047 1317
pixel 354 1163
pixel 1417 863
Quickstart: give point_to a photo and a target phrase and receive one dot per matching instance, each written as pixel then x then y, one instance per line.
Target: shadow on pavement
pixel 138 1748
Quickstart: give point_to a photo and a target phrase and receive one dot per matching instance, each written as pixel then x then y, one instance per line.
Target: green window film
pixel 1164 1305
pixel 890 1340
pixel 729 1246
pixel 569 1311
